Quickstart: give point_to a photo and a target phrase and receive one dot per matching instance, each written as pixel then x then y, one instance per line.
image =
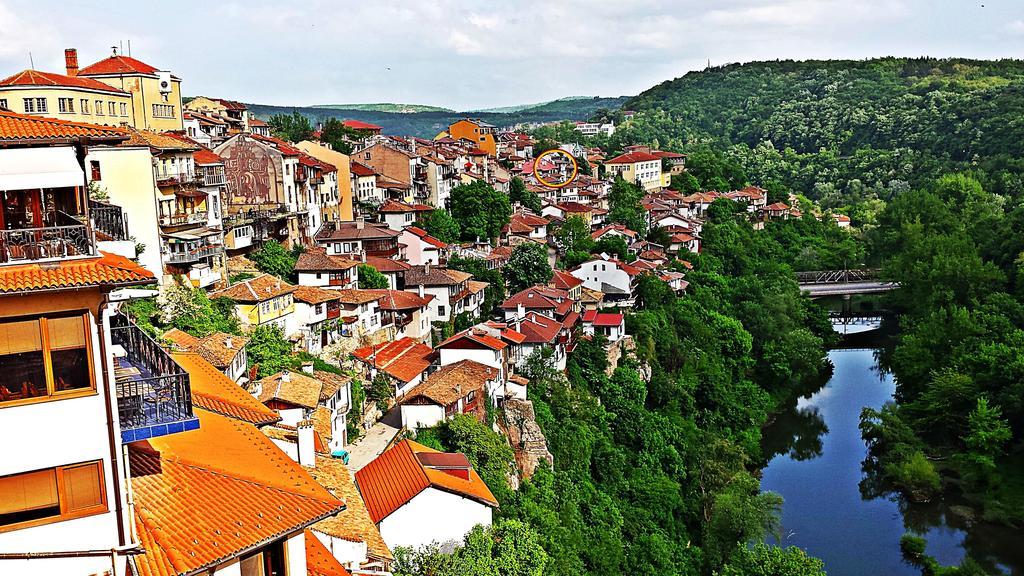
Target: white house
pixel 614 278
pixel 612 326
pixel 317 317
pixel 460 388
pixel 422 248
pixel 317 268
pixel 417 495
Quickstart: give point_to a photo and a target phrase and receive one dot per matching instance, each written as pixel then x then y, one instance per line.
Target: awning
pixel 190 192
pixel 32 168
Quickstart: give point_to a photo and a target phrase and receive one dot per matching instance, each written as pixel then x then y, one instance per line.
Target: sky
pixel 465 54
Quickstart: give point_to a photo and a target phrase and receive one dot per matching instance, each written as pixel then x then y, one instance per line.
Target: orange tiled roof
pixel 215 392
pixel 400 299
pixel 117 64
pixel 205 496
pixel 315 295
pixel 106 271
pixel 22 128
pixel 354 523
pixel 397 476
pixel 258 289
pixel 403 359
pixel 454 381
pixel 37 78
pixel 477 336
pixel 319 561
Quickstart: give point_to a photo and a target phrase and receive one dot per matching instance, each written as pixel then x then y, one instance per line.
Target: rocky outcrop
pixel 526 437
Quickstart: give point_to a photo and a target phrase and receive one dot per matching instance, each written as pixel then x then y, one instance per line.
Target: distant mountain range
pixel 427 121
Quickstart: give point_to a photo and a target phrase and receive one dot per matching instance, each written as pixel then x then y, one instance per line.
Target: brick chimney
pixel 71 61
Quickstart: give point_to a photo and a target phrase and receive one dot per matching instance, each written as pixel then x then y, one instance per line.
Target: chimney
pixel 306 447
pixel 426 268
pixel 229 343
pixel 71 61
pixel 520 312
pixel 307 367
pixel 362 256
pixel 286 376
pixel 419 290
pixel 359 223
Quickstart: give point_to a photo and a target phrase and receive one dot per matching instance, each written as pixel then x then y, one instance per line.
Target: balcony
pixel 69 239
pixel 214 178
pixel 185 219
pixel 190 255
pixel 154 397
pixel 109 220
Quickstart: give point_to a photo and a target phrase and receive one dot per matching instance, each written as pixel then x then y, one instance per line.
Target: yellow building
pixel 155 94
pixel 639 167
pixel 263 300
pixel 480 133
pixel 234 113
pixel 343 209
pixel 71 98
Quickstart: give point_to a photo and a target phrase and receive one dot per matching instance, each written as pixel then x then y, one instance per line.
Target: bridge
pixel 843 282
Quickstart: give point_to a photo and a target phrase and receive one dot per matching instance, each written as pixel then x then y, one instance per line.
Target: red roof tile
pixel 118 64
pixel 404 359
pixel 37 78
pixel 319 560
pixel 423 235
pixel 108 271
pixel 476 336
pixel 398 475
pixel 360 125
pixel 632 158
pixel 360 169
pixel 562 280
pixel 215 392
pixel 23 128
pixel 207 495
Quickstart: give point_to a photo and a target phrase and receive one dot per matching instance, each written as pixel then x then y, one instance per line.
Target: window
pixel 51 495
pixel 66 105
pixel 44 358
pixel 3 103
pixel 35 105
pixel 84 104
pixel 99 107
pixel 94 169
pixel 163 111
pixel 112 108
pixel 440 310
pixel 124 109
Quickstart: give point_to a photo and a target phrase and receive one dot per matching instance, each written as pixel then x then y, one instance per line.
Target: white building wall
pixel 295 554
pixel 349 554
pixel 415 416
pixel 433 516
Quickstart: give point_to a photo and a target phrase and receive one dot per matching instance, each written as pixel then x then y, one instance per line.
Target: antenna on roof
pixel 31 64
pixel 129 47
pixel 121 44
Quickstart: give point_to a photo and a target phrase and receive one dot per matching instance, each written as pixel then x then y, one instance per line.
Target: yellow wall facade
pixel 466 129
pixel 15 95
pixel 342 162
pixel 145 91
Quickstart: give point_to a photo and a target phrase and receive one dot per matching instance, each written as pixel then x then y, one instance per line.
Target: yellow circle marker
pixel 556 151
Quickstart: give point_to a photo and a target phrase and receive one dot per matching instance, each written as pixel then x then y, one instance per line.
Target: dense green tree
pixel 269 351
pixel 518 193
pixel 764 560
pixel 528 265
pixel 508 548
pixel 624 205
pixel 292 127
pixel 273 259
pixel 440 224
pixel 480 210
pixel 370 278
pixel 574 235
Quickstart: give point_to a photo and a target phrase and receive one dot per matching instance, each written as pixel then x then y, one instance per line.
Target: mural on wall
pixel 253 172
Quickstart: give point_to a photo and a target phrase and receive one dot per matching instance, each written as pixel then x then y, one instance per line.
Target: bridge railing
pixel 838 276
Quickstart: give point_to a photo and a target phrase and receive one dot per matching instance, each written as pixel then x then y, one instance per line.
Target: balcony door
pixel 21 209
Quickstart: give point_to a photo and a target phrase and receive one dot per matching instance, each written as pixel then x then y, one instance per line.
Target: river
pixel 815 451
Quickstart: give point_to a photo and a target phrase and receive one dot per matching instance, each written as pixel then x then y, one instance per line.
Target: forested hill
pixel 426 124
pixel 876 121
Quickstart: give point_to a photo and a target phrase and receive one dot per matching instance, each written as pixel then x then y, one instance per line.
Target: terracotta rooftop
pixel 429 275
pixel 18 128
pixel 602 318
pixel 258 289
pixel 49 79
pixel 562 280
pixel 319 560
pixel 475 336
pixel 106 271
pixel 632 158
pixel 354 523
pixel 423 235
pixel 539 329
pixel 399 300
pixel 404 359
pixel 387 265
pixel 355 296
pixel 397 476
pixel 360 125
pixel 353 231
pixel 293 388
pixel 117 64
pixel 215 392
pixel 208 495
pixel 316 259
pixel 536 298
pixel 314 295
pixel 454 381
pixel 214 348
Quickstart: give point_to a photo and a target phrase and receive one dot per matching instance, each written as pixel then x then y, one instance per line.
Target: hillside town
pixel 187 450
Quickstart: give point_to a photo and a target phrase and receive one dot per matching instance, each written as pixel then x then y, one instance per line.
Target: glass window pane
pixel 68 353
pixel 21 355
pixel 83 487
pixel 30 496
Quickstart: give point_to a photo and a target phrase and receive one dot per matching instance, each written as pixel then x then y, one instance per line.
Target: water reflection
pixel 836 509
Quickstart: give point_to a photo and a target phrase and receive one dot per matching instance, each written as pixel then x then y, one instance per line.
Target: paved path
pixel 370 445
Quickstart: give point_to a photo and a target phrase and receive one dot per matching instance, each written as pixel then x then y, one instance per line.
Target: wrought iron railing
pixel 54 242
pixel 181 219
pixel 193 255
pixel 109 219
pixel 214 178
pixel 160 392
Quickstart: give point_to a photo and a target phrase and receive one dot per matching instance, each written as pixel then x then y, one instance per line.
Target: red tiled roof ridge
pixel 54 79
